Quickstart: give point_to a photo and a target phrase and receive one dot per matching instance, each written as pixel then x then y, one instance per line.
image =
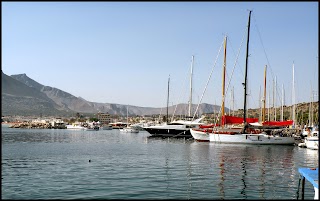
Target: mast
pixel 190 99
pixel 246 73
pixel 127 116
pixel 282 103
pixel 168 101
pixel 293 97
pixel 260 115
pixel 275 109
pixel 269 105
pixel 272 97
pixel 233 101
pixel 223 79
pixel 264 94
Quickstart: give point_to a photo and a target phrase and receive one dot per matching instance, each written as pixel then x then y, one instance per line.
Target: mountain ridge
pixel 47 100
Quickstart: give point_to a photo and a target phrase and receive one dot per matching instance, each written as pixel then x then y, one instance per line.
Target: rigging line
pixel 179 98
pixel 235 64
pixel 269 66
pixel 208 80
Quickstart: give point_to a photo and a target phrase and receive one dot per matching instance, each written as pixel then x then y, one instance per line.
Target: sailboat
pixel 229 124
pixel 249 133
pixel 128 128
pixel 178 128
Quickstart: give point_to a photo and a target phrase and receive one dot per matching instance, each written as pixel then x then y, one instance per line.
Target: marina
pixel 104 164
pixel 110 138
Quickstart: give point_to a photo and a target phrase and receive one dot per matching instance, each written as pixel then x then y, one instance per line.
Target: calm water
pixel 54 164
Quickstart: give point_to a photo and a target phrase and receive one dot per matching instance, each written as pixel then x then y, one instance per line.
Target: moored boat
pixel 76 126
pixel 251 134
pixel 177 129
pixel 312 139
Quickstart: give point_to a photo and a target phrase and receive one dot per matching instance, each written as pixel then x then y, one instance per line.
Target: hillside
pixel 24 96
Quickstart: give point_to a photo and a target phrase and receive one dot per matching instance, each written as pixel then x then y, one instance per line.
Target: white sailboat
pixel 251 134
pixel 201 134
pixel 128 128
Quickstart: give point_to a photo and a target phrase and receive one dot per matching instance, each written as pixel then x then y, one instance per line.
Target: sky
pixel 132 52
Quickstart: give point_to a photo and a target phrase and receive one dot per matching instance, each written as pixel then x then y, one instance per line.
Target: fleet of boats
pixel 230 129
pixel 249 130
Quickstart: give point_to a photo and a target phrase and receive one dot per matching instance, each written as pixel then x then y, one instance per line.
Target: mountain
pixel 20 99
pixel 22 95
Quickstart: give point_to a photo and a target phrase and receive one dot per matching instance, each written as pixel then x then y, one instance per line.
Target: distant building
pixel 104 118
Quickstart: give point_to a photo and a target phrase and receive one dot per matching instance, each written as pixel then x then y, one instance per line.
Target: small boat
pixel 128 128
pixel 76 126
pixel 93 128
pixel 311 175
pixel 312 139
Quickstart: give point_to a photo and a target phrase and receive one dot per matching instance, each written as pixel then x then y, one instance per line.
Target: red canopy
pixel 237 120
pixel 208 125
pixel 278 123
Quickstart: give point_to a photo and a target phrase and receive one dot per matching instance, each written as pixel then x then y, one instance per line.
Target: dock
pixel 311 175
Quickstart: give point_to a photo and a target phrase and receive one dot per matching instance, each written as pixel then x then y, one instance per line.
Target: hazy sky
pixel 124 52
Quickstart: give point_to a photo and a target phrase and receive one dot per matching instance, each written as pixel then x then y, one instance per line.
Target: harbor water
pixel 107 164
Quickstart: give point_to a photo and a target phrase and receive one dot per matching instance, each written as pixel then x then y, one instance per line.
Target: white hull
pixel 73 127
pixel 203 134
pixel 250 139
pixel 129 130
pixel 200 135
pixel 312 142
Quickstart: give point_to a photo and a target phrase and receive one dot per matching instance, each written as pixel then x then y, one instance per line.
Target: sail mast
pixel 168 100
pixel 282 103
pixel 246 73
pixel 223 79
pixel 264 94
pixel 293 97
pixel 190 99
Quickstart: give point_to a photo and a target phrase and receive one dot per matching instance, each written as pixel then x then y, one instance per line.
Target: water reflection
pixel 247 165
pixel 126 166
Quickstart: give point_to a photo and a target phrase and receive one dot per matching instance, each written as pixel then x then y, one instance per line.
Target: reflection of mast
pixel 243 177
pixel 222 170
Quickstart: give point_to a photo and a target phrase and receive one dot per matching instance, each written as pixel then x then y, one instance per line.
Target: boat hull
pixel 200 135
pixel 129 130
pixel 72 127
pixel 251 139
pixel 172 132
pixel 312 142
